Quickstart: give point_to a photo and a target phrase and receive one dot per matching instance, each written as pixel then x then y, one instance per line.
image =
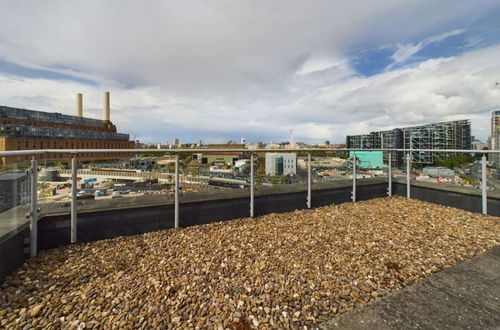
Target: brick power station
pixel 22 129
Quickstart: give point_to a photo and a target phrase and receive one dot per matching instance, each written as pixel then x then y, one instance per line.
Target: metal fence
pixel 75 153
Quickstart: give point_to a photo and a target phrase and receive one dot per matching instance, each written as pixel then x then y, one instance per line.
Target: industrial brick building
pixel 22 129
pixel 443 135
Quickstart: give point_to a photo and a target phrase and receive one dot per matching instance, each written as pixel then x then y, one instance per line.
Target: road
pixel 476 174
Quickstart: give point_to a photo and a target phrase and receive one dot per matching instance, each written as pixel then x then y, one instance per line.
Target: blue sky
pixel 223 70
pixel 474 33
pixel 13 69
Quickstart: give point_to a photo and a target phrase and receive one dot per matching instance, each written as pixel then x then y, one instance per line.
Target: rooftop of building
pixel 278 270
pixel 34 115
pixel 464 296
pixel 430 125
pixel 8 176
pixel 40 124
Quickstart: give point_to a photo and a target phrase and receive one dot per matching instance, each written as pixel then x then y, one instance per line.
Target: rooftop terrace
pixel 280 270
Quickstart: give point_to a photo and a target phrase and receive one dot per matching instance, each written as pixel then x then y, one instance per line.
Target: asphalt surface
pixel 476 176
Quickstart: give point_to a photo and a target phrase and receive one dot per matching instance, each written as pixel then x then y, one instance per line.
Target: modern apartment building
pixel 443 135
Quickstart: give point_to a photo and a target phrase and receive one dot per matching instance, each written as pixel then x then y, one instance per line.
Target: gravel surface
pixel 281 270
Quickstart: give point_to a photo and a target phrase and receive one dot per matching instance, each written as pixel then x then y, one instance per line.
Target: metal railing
pixel 75 153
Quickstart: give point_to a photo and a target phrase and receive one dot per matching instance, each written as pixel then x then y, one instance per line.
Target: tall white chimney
pixel 79 105
pixel 106 107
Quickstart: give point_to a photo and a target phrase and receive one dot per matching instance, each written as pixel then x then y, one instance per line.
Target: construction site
pixel 436 136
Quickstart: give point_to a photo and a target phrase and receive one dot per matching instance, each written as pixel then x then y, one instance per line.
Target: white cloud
pixel 314 65
pixel 443 36
pixel 404 51
pixel 220 70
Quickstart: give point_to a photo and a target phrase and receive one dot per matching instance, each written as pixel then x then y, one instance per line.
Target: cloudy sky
pixel 224 69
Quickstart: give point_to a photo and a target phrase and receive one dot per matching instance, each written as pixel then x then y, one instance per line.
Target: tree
pixel 259 179
pixel 454 161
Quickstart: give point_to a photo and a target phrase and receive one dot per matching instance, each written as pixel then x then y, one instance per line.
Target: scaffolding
pixel 438 136
pixel 36 126
pixel 360 141
pixel 443 135
pixel 57 132
pixel 25 114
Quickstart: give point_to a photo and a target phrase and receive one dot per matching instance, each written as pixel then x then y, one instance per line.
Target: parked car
pixel 99 193
pixel 82 194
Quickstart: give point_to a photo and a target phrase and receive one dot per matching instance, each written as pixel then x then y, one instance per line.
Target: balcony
pixel 197 259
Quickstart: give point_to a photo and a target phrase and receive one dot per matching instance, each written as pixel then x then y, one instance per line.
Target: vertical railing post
pixel 389 175
pixel 74 170
pixel 252 183
pixel 353 197
pixel 309 172
pixel 176 193
pixel 408 164
pixel 34 209
pixel 484 185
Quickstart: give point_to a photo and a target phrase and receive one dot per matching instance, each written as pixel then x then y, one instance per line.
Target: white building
pixel 281 163
pixel 438 172
pixel 478 145
pixel 241 162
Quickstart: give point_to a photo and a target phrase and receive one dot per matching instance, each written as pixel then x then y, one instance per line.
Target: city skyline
pixel 225 70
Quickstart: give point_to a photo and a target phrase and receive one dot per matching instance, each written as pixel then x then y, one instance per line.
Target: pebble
pixel 293 269
pixel 36 310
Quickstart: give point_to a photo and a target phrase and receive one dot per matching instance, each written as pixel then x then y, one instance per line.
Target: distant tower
pixel 106 109
pixel 291 138
pixel 79 105
pixel 495 136
pixel 243 141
